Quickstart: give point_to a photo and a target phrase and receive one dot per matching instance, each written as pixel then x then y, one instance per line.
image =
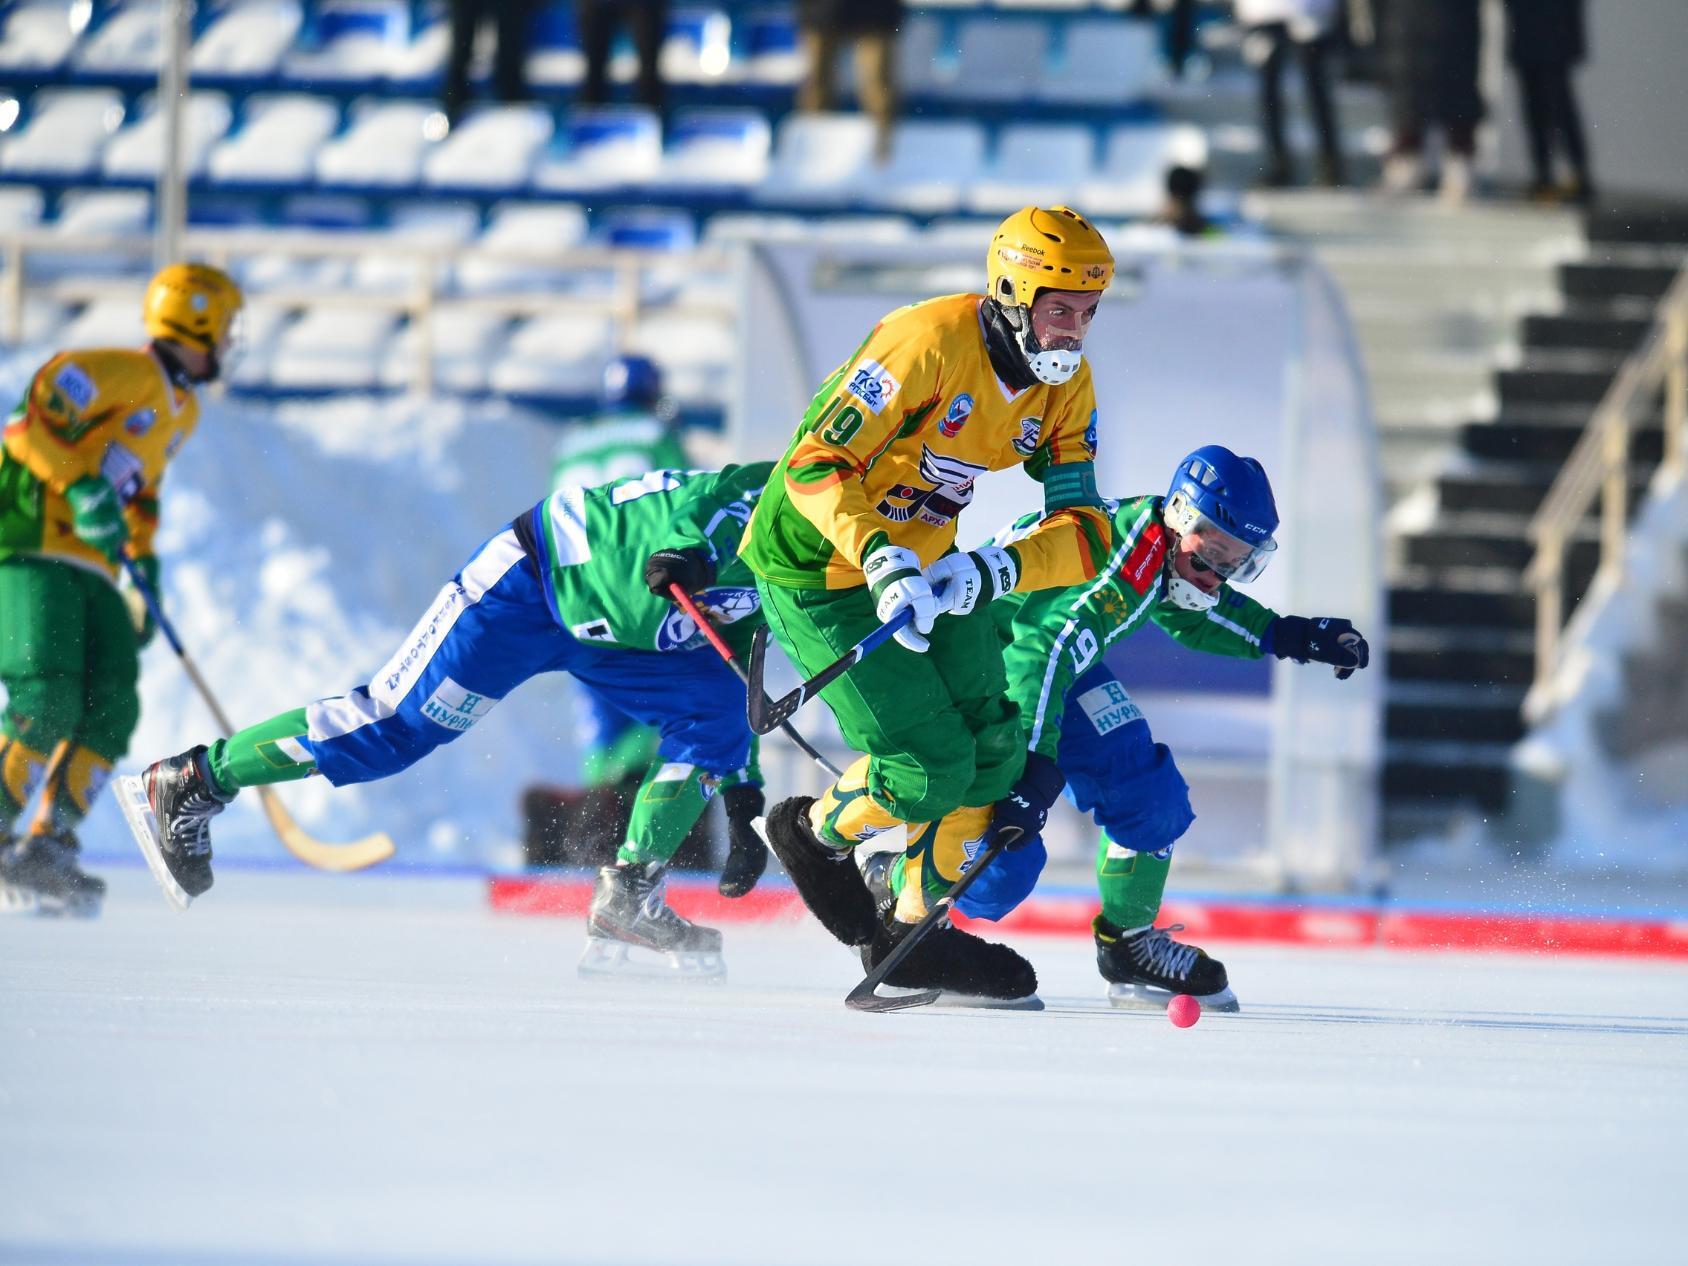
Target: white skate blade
pixel 23 902
pixel 945 998
pixel 132 799
pixel 1149 998
pixel 607 959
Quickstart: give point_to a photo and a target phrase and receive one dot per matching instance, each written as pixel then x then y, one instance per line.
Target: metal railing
pixel 1599 466
pixel 623 296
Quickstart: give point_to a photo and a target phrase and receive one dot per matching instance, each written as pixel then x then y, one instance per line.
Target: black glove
pixel 1326 639
pixel 747 855
pixel 1020 814
pixel 688 568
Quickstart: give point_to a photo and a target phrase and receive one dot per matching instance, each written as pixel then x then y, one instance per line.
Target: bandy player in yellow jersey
pixel 83 455
pixel 858 523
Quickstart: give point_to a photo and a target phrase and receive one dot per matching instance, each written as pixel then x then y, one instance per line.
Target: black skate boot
pixel 628 910
pixel 1147 968
pixel 826 878
pixel 39 874
pixel 169 808
pixel 747 855
pixel 964 967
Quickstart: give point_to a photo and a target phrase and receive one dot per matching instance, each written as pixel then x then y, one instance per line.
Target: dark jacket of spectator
pixel 1431 50
pixel 1545 32
pixel 850 17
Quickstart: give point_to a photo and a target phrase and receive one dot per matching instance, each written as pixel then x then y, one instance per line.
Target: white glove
pixel 894 581
pixel 961 581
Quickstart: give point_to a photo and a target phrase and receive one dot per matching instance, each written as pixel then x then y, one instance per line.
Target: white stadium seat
pixel 112 322
pixel 554 58
pixel 384 145
pixel 131 41
pixel 537 227
pixel 819 159
pixel 104 212
pixel 495 147
pixel 353 40
pixel 247 39
pixel 696 48
pixel 607 146
pixel 1103 62
pixel 279 142
pixel 713 149
pixel 1034 163
pixel 136 152
pixel 444 225
pixel 464 342
pixel 418 63
pixel 36 37
pixel 66 132
pixel 558 355
pixel 1132 178
pixel 20 207
pixel 339 348
pixel 999 59
pixel 922 66
pixel 929 164
pixel 695 353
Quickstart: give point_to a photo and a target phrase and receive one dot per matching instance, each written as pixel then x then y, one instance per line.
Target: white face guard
pixel 1053 368
pixel 1181 593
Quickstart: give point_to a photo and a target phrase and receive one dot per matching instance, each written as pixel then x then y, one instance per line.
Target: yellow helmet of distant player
pixel 193 304
pixel 1046 248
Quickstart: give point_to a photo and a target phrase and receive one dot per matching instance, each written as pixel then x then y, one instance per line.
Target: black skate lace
pixel 1157 951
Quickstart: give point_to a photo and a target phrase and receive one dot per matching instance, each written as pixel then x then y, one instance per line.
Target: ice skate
pixel 1146 969
pixel 630 913
pixel 169 808
pixel 39 875
pixel 826 878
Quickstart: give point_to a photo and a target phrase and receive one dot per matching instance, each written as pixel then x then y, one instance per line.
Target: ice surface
pixel 368 1070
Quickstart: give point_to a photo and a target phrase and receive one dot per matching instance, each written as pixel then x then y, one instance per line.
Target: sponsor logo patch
pixel 77 387
pixel 873 385
pixel 724 606
pixel 970 850
pixel 1031 430
pixel 935 506
pixel 1109 706
pixel 1090 436
pixel 1142 567
pixel 961 408
pixel 141 421
pixel 593 631
pixel 424 638
pixel 456 708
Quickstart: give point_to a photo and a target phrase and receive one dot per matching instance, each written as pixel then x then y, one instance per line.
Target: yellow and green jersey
pixel 892 444
pixel 113 412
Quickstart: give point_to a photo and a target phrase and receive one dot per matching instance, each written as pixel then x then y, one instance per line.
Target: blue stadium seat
pixel 604 147
pixel 350 42
pixel 647 229
pixel 715 150
pixel 554 57
pixel 771 52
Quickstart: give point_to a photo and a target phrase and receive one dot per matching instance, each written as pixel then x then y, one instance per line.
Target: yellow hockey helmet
pixel 193 304
pixel 1046 248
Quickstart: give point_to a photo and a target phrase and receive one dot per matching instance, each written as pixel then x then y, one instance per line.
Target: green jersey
pixel 1052 637
pixel 591 545
pixel 615 446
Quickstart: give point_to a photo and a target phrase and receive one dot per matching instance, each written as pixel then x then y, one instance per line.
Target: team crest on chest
pixel 1031 430
pixel 961 408
pixel 935 506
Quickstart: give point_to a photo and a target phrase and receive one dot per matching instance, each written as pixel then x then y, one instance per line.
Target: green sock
pixel 1132 884
pixel 263 753
pixel 633 750
pixel 668 805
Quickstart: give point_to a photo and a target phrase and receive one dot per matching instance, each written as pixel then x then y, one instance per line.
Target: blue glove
pixel 1323 640
pixel 1020 814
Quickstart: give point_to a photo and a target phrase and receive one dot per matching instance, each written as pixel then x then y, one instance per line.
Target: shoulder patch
pixel 76 385
pixel 1031 431
pixel 873 385
pixel 1090 436
pixel 1142 567
pixel 141 421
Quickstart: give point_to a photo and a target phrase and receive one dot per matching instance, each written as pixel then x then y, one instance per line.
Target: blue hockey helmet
pixel 1224 501
pixel 631 382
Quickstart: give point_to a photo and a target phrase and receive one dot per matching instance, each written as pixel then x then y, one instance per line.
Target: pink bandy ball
pixel 1183 1010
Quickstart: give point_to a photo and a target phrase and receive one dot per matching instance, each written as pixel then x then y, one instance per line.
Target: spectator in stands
pixel 509 63
pixel 1306 26
pixel 869 27
pixel 1545 39
pixel 1182 208
pixel 1431 50
pixel 646 21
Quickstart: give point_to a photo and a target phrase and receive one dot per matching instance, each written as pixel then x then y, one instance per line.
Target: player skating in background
pixel 80 470
pixel 559 590
pixel 852 532
pixel 1173 563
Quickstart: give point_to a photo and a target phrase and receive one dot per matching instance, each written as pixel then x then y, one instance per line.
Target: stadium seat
pixel 1034 162
pixel 36 38
pixel 772 53
pixel 561 355
pixel 261 325
pixel 695 49
pixel 656 229
pixel 494 147
pixel 20 207
pixel 930 162
pixel 333 347
pixel 607 147
pixel 730 228
pixel 819 160
pixel 924 65
pixel 695 353
pixel 384 146
pixel 114 322
pixel 416 66
pixel 64 135
pixel 442 224
pixel 715 149
pixel 536 227
pixel 554 57
pixel 279 142
pixel 1132 178
pixel 247 39
pixel 136 152
pixel 464 342
pixel 104 212
pixel 129 42
pixel 999 59
pixel 351 41
pixel 1103 61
